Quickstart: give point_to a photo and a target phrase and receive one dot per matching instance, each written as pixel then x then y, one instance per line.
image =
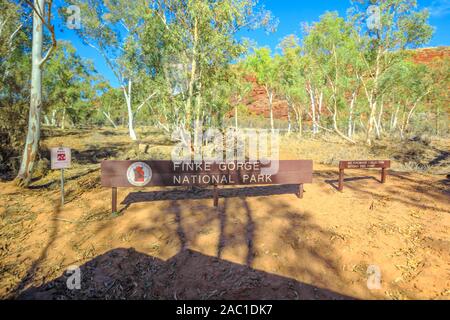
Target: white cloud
pixel 439 8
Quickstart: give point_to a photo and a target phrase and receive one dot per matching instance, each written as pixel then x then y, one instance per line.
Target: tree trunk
pixel 402 126
pixel 373 99
pixel 127 94
pixel 395 119
pixel 313 110
pixel 335 97
pixel 408 116
pixel 335 114
pixel 378 121
pixel 350 117
pixel 336 129
pixel 53 122
pixel 377 129
pixel 63 120
pixel 272 123
pixel 236 122
pixel 270 97
pixel 108 117
pixel 413 109
pixel 438 114
pixel 289 116
pixel 300 122
pixel 199 115
pixel 380 117
pixel 34 125
pixel 192 78
pixel 319 111
pixel 371 123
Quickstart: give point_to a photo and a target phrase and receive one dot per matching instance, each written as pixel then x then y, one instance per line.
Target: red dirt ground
pixel 268 245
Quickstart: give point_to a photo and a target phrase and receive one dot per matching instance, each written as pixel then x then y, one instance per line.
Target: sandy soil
pixel 261 243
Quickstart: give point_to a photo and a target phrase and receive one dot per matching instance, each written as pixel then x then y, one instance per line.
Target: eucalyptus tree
pixel 315 81
pixel 265 68
pixel 15 29
pixel 13 23
pixel 240 89
pixel 385 27
pixel 42 16
pixel 109 107
pixel 439 72
pixel 196 40
pixel 291 83
pixel 70 82
pixel 411 83
pixel 114 29
pixel 332 49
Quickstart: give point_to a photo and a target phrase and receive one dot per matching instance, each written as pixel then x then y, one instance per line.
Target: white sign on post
pixel 60 158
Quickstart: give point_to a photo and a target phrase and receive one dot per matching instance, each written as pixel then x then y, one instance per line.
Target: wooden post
pixel 341 180
pixel 62 187
pixel 114 200
pixel 300 191
pixel 383 175
pixel 216 196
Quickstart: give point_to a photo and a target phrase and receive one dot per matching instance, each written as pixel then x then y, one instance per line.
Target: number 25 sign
pixel 60 158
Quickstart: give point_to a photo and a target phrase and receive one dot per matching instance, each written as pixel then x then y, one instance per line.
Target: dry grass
pixel 90 147
pixel 430 155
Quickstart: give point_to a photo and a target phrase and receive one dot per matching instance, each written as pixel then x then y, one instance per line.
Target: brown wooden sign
pixel 363 164
pixel 126 174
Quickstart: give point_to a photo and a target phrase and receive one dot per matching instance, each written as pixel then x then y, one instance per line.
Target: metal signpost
pixel 60 160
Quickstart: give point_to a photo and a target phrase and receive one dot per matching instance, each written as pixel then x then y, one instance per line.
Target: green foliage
pixel 15 67
pixel 263 66
pixel 195 40
pixel 353 77
pixel 70 84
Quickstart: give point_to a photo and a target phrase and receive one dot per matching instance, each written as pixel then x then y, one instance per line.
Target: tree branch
pixel 40 13
pixel 144 102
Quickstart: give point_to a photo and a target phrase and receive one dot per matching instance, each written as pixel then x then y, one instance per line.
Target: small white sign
pixel 60 158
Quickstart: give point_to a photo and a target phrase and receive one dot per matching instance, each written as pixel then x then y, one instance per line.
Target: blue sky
pixel 290 14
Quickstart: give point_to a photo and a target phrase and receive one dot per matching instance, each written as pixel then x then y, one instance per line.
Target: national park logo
pixel 139 174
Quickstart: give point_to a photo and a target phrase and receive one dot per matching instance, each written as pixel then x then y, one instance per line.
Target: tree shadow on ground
pixel 335 183
pixel 399 190
pixel 442 156
pixel 202 193
pixel 54 182
pixel 192 274
pixel 112 133
pixel 95 155
pixel 445 182
pixel 128 274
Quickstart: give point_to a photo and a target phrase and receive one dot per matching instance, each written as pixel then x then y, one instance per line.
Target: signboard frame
pixel 117 174
pixel 384 165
